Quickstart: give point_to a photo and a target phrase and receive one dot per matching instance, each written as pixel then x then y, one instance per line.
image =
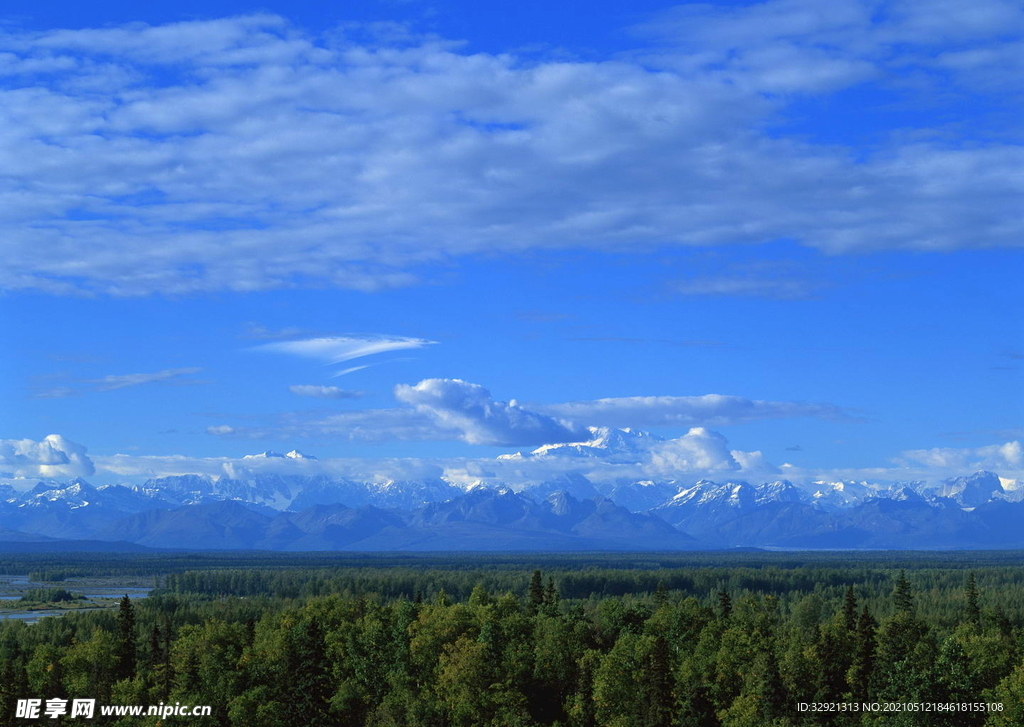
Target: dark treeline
pixel 596 646
pixel 789 586
pixel 55 566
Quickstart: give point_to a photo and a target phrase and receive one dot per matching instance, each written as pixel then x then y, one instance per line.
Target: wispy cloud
pixel 259 331
pixel 123 381
pixel 56 392
pixel 748 287
pixel 998 457
pixel 212 177
pixel 350 370
pixel 323 392
pixel 688 411
pixel 113 382
pixel 337 349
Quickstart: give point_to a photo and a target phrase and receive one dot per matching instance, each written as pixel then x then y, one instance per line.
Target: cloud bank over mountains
pixel 608 455
pixel 54 457
pixel 199 156
pixel 469 410
pixel 456 410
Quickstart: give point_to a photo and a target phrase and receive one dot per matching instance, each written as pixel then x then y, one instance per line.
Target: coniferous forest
pixel 601 641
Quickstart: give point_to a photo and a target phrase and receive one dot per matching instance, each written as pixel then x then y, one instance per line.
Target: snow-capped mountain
pixel 616 446
pixel 975 510
pixel 973 490
pixel 270 454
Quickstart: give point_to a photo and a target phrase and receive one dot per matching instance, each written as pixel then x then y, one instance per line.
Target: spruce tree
pixel 124 658
pixel 535 594
pixel 850 610
pixel 657 686
pixel 973 609
pixel 724 605
pixel 696 708
pixel 773 699
pixel 902 596
pixel 155 655
pixel 551 598
pixel 863 668
pixel 660 594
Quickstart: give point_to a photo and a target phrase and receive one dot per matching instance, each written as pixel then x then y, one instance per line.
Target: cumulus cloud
pixel 469 410
pixel 323 392
pixel 697 454
pixel 54 456
pixel 706 410
pixel 244 154
pixel 999 457
pixel 699 450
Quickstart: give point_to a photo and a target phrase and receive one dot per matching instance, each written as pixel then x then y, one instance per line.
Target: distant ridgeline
pixel 605 641
pixel 570 513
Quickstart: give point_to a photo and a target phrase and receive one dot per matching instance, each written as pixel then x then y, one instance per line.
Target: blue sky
pixel 797 226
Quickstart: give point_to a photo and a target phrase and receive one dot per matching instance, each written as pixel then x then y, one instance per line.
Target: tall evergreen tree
pixel 833 662
pixel 551 597
pixel 724 606
pixel 902 596
pixel 863 668
pixel 535 593
pixel 696 708
pixel 973 609
pixel 657 687
pixel 850 610
pixel 660 594
pixel 773 702
pixel 125 657
pixel 308 672
pixel 155 655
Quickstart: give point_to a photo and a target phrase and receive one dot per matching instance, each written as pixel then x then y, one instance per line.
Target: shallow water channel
pixel 98 593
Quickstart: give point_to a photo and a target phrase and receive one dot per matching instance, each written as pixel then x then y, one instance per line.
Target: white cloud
pixel 243 154
pixel 323 392
pixel 124 467
pixel 998 457
pixel 697 454
pixel 452 409
pixel 113 382
pixel 379 425
pixel 350 370
pixel 56 392
pixel 221 429
pixel 748 287
pixel 699 450
pixel 122 381
pixel 54 456
pixel 366 425
pixel 469 410
pixel 336 349
pixel 706 410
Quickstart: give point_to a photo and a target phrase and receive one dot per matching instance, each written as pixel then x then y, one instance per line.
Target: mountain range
pixel 570 512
